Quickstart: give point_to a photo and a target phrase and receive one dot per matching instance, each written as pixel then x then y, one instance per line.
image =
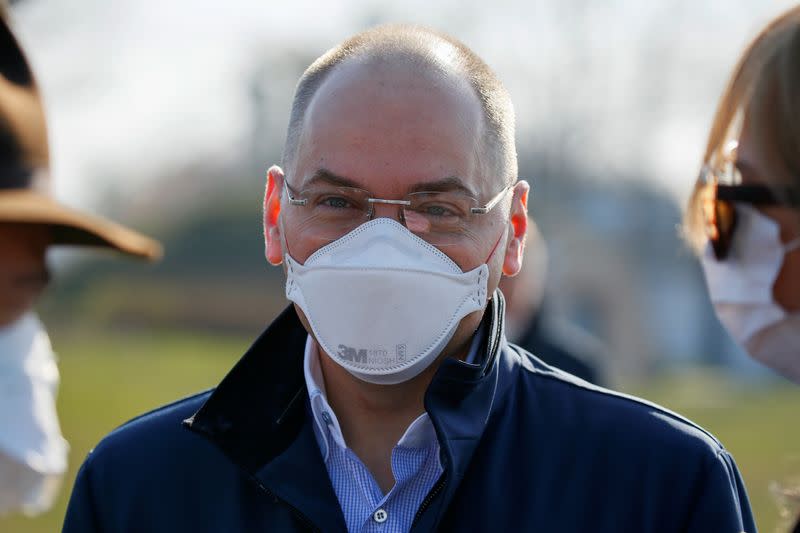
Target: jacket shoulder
pixel 572 403
pixel 159 429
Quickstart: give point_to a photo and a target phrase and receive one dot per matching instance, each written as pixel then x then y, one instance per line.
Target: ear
pixel 273 249
pixel 512 262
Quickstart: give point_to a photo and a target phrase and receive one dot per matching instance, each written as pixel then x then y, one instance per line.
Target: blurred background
pixel 165 115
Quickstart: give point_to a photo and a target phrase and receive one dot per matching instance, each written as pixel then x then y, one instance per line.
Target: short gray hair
pixel 421 46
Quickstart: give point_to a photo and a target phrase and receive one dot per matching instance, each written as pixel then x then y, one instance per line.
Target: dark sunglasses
pixel 717 202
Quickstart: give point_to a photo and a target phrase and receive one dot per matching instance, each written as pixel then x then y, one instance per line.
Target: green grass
pixel 108 379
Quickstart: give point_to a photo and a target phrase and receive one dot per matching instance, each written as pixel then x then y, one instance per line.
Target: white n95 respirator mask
pixel 740 287
pixel 382 302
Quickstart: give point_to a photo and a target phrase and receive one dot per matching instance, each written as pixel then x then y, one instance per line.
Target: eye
pixel 336 202
pixel 438 210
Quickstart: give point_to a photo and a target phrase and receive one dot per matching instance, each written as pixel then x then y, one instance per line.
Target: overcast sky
pixel 134 86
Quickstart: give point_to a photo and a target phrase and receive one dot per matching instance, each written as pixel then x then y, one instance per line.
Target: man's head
pixel 396 110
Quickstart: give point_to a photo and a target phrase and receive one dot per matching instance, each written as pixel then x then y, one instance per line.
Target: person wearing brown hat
pixel 33 453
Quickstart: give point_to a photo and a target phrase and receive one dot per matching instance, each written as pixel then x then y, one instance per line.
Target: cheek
pixel 476 253
pixel 788 220
pixel 300 239
pixel 19 290
pixel 21 262
pixel 786 290
pixel 16 300
pixel 22 270
pixel 485 246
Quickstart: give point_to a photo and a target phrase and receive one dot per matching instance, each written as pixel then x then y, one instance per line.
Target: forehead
pixel 388 124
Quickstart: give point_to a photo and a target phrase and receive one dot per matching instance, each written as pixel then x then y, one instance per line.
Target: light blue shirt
pixel 416 465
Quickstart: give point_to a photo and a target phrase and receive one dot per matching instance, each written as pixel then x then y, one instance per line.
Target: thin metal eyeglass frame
pixel 473 210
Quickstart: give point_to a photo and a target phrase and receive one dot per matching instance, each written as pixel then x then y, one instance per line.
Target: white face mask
pixel 382 302
pixel 740 288
pixel 33 454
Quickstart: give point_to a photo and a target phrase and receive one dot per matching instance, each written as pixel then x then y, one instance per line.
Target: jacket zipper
pixel 428 499
pixel 294 510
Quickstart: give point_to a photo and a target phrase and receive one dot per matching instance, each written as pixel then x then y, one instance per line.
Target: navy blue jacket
pixel 524 447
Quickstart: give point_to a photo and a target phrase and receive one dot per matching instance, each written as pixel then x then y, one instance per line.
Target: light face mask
pixel 33 454
pixel 740 288
pixel 382 302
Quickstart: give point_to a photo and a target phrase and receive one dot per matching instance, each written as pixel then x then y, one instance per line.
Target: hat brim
pixel 72 226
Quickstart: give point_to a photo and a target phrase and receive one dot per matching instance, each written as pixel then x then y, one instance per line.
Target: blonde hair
pixel 764 93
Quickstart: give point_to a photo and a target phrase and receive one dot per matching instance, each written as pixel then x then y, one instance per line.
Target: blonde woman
pixel 744 215
pixel 745 212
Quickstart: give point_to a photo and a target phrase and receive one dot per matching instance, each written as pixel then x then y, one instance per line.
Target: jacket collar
pixel 258 415
pixel 459 400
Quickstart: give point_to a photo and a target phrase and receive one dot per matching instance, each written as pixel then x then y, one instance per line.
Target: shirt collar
pixel 320 409
pixel 420 432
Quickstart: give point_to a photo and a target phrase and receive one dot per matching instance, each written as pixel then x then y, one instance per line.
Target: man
pixel 386 397
pixel 33 453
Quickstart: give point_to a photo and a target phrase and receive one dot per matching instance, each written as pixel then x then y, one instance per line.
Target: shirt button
pixel 380 516
pixel 326 417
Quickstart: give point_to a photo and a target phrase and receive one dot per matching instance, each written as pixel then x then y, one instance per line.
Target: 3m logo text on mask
pixel 371 357
pixel 352 354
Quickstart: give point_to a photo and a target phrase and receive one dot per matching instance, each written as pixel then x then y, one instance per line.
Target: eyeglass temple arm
pixel 493 202
pixel 292 199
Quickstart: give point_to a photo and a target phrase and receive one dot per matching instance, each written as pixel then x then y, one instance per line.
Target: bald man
pixel 385 397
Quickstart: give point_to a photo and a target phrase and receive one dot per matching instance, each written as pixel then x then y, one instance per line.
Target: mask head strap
pixel 494 248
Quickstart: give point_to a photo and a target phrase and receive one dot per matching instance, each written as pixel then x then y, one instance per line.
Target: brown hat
pixel 25 195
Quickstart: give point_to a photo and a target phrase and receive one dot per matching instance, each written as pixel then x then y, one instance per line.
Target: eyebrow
pixel 325 175
pixel 450 183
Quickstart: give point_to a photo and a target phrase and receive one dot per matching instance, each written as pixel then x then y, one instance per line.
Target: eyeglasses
pixel 717 202
pixel 439 217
